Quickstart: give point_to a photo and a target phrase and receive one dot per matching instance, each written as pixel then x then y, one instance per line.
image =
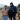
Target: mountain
pixel 2 5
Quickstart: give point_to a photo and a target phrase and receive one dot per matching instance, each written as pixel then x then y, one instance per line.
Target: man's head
pixel 5 7
pixel 11 3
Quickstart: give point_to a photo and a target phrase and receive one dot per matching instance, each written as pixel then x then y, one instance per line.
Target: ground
pixel 17 18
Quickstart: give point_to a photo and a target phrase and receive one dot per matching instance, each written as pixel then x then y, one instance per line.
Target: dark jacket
pixel 12 8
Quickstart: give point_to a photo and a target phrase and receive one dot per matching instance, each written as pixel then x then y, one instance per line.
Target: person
pixel 12 11
pixel 4 13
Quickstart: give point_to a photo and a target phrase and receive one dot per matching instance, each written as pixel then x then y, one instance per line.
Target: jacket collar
pixel 12 6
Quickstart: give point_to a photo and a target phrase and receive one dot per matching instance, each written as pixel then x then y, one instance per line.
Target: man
pixel 4 13
pixel 12 11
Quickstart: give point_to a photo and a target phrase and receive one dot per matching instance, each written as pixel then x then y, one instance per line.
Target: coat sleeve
pixel 15 10
pixel 8 12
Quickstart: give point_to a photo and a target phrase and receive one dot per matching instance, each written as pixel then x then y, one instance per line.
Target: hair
pixel 5 5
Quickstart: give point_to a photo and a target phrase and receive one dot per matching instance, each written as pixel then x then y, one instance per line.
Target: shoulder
pixel 7 9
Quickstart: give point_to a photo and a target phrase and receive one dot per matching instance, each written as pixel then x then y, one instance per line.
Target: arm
pixel 2 13
pixel 16 10
pixel 8 12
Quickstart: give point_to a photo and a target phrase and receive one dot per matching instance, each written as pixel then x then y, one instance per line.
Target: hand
pixel 15 14
pixel 2 16
pixel 8 15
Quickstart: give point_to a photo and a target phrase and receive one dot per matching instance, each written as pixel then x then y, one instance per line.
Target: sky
pixel 7 2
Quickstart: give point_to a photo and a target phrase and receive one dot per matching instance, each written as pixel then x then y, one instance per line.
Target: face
pixel 5 6
pixel 11 4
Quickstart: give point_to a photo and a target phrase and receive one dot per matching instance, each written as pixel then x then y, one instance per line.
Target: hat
pixel 11 3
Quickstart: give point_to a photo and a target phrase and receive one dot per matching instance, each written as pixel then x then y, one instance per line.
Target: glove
pixel 13 11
